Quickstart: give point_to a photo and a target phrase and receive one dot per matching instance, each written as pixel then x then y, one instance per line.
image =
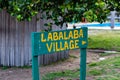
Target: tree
pixel 61 11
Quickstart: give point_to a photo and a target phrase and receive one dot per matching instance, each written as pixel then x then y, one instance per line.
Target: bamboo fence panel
pixel 15 41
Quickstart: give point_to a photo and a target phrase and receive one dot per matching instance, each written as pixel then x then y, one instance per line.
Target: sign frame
pixel 83 42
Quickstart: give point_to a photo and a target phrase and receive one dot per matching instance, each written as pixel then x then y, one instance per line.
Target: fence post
pixel 112 18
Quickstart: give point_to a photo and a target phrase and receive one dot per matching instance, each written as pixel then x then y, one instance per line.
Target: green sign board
pixel 49 42
pixel 56 41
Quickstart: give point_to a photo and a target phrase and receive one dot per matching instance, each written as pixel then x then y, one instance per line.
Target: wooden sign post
pixel 56 41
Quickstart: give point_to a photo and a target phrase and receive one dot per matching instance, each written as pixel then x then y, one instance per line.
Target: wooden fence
pixel 15 41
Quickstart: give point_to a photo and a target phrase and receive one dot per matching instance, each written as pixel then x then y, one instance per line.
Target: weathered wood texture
pixel 15 41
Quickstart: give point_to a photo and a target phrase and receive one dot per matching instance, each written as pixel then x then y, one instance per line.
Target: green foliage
pixel 22 10
pixel 113 5
pixel 60 11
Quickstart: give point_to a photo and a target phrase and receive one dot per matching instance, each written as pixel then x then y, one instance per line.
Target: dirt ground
pixel 72 63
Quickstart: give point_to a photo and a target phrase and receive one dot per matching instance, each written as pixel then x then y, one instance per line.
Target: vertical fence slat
pixel 3 39
pixel 29 43
pixel 12 40
pixel 17 56
pixel 26 44
pixel 0 38
pixel 7 41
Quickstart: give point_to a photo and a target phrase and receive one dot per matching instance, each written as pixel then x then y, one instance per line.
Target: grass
pixel 108 69
pixel 6 67
pixel 107 54
pixel 66 73
pixel 73 56
pixel 105 39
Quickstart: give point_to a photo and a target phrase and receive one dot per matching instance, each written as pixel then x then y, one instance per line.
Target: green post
pixel 83 64
pixel 35 68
